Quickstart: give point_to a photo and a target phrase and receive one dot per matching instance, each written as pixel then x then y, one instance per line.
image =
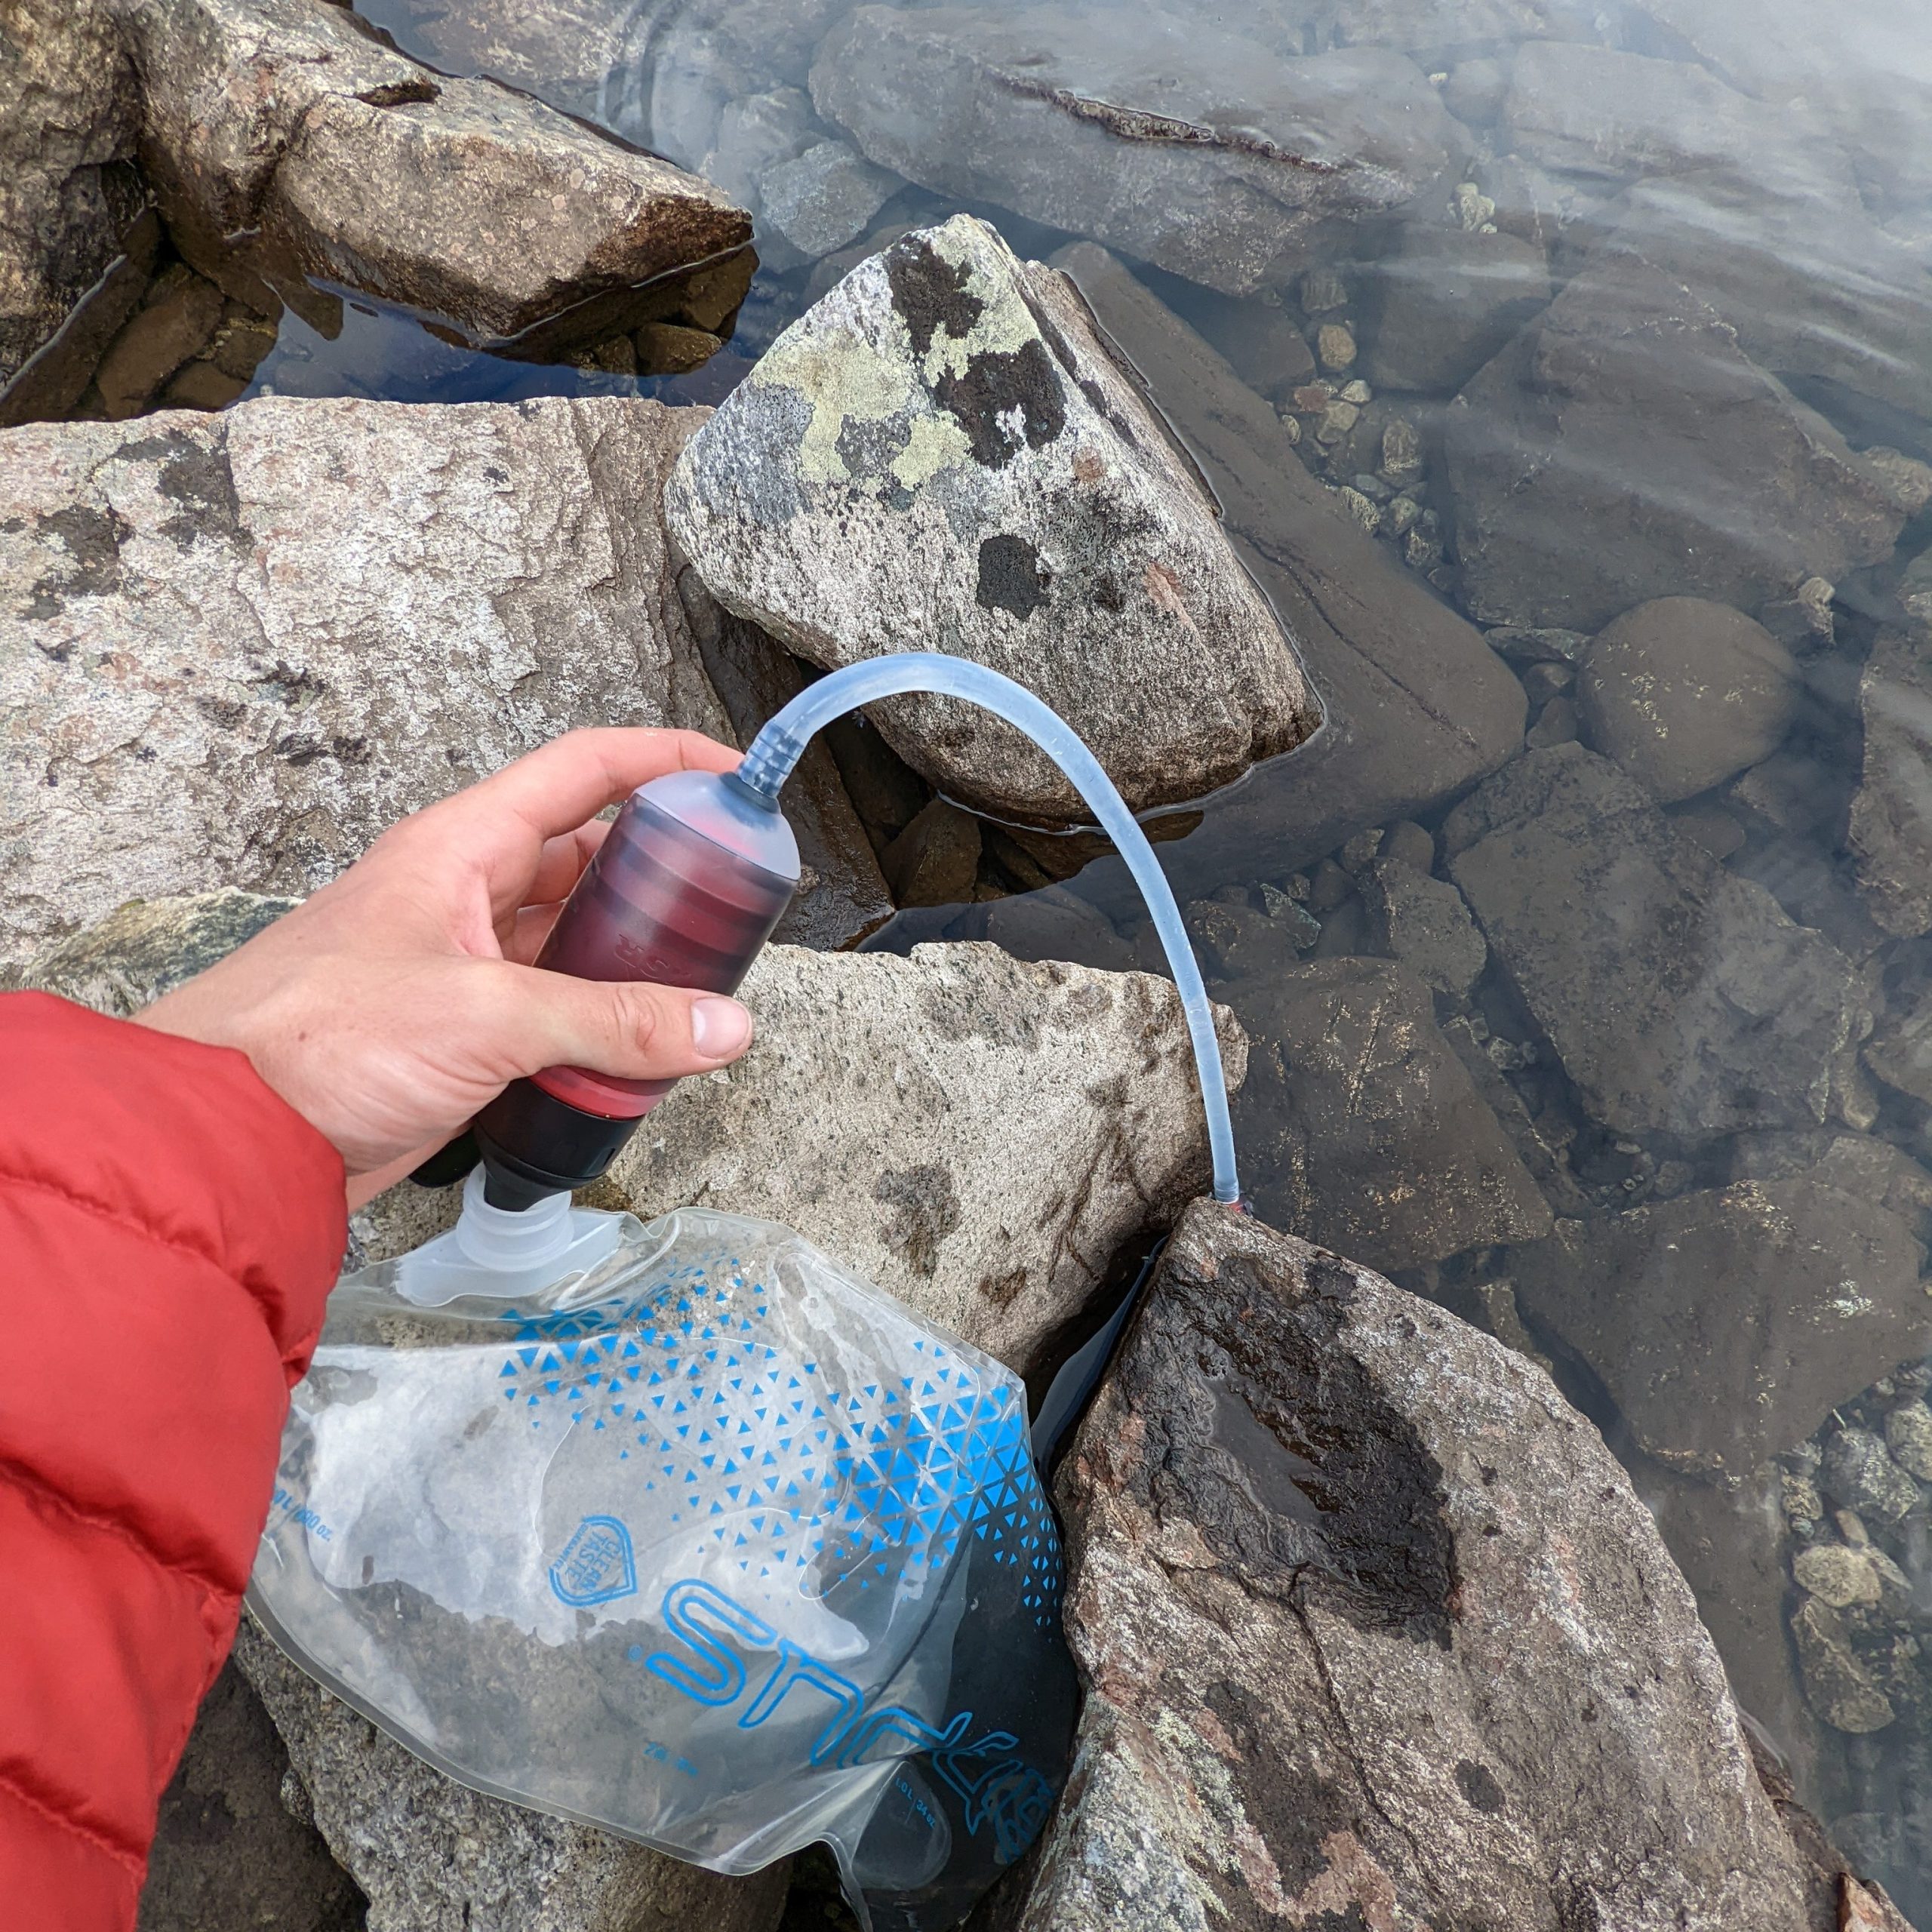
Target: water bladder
pixel 683 1528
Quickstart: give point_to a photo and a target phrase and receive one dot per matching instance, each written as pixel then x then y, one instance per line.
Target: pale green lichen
pixel 845 380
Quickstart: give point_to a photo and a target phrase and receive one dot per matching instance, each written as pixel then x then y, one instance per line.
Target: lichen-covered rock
pixel 979 1136
pixel 1725 1323
pixel 1680 998
pixel 1624 448
pixel 265 123
pixel 1205 152
pixel 1362 1129
pixel 69 121
pixel 234 649
pixel 939 455
pixel 1375 1633
pixel 433 1856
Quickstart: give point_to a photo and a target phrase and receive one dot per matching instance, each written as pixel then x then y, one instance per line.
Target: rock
pixel 147 948
pixel 1725 1323
pixel 889 1137
pixel 208 625
pixel 177 319
pixel 1446 300
pixel 1260 339
pixel 941 455
pixel 1589 441
pixel 1836 1575
pixel 228 1856
pixel 827 197
pixel 935 860
pixel 1900 1051
pixel 1360 1127
pixel 1684 693
pixel 69 121
pixel 1595 111
pixel 1680 998
pixel 433 1856
pixel 1415 707
pixel 1836 1685
pixel 1423 923
pixel 1891 814
pixel 756 133
pixel 1050 924
pixel 270 119
pixel 1556 723
pixel 1859 1473
pixel 1909 1436
pixel 1813 286
pixel 1203 151
pixel 1309 1510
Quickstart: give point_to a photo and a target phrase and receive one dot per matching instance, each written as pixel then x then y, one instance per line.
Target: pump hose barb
pixel 776 751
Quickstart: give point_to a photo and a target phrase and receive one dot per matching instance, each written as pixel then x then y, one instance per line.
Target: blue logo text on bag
pixel 597 1565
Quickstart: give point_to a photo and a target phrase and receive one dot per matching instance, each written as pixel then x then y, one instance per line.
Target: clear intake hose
pixel 777 749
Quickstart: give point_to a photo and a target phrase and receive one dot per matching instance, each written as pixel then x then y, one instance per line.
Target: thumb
pixel 630 1028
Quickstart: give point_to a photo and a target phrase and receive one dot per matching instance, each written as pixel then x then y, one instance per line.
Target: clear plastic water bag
pixel 707 1540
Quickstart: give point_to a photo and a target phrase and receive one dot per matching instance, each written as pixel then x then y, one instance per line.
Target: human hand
pixel 397 1001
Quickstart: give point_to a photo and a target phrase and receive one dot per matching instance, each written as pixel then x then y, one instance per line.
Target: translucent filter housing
pixel 687 886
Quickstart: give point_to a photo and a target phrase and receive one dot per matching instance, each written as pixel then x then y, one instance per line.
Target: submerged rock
pixel 1202 151
pixel 940 455
pixel 69 122
pixel 1680 998
pixel 268 120
pixel 1416 707
pixel 1423 923
pixel 234 648
pixel 1360 1127
pixel 1624 448
pixel 1445 300
pixel 1725 1324
pixel 1684 693
pixel 1373 1628
pixel 1891 814
pixel 433 1856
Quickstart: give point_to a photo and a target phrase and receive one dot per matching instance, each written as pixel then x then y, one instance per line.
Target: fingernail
pixel 719 1027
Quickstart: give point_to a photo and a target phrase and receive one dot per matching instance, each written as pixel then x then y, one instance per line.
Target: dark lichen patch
pixel 998 386
pixel 92 538
pixel 926 1210
pixel 401 93
pixel 1012 578
pixel 1479 1786
pixel 931 293
pixel 1346 1506
pixel 200 480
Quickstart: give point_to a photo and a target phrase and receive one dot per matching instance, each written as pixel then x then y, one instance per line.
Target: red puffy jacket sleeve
pixel 169 1229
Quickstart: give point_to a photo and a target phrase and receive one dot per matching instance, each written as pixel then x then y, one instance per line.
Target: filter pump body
pixel 688 884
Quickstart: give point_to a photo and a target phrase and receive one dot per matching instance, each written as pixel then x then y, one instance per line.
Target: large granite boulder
pixel 1204 151
pixel 265 122
pixel 69 118
pixel 433 1856
pixel 1375 1633
pixel 1624 448
pixel 1725 1323
pixel 1680 998
pixel 1361 1128
pixel 1416 707
pixel 234 648
pixel 941 455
